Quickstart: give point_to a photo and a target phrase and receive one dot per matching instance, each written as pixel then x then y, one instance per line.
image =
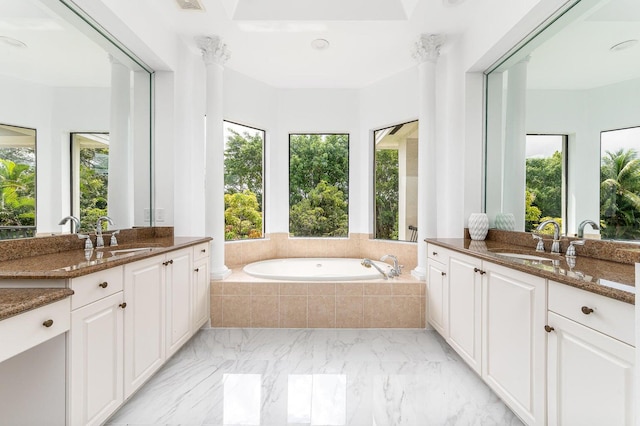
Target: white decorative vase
pixel 505 221
pixel 478 226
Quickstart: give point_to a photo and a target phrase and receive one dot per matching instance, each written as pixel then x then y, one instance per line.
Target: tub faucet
pixel 99 239
pixel 74 227
pixel 397 269
pixel 584 223
pixel 555 247
pixel 367 263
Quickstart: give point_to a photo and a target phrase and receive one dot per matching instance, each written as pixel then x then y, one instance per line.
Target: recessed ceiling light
pixel 623 45
pixel 13 42
pixel 320 44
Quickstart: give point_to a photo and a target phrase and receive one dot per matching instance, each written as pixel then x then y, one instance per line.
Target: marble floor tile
pixel 277 377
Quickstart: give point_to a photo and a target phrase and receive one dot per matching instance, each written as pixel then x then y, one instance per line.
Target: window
pixel 396 182
pixel 546 182
pixel 243 181
pixel 620 184
pixel 319 185
pixel 17 182
pixel 89 177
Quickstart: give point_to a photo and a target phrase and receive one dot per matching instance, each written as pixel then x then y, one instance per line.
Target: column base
pixel 420 272
pixel 220 273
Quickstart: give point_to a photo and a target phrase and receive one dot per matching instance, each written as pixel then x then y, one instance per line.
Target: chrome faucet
pixel 397 269
pixel 99 239
pixel 74 221
pixel 555 247
pixel 584 223
pixel 367 263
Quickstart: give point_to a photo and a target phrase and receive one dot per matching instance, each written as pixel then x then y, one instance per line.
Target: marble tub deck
pixel 275 377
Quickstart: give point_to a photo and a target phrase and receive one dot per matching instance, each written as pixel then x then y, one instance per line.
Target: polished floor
pixel 277 377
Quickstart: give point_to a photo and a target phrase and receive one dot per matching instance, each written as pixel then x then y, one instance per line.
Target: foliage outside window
pixel 319 185
pixel 17 181
pixel 620 184
pixel 91 157
pixel 545 180
pixel 243 182
pixel 396 182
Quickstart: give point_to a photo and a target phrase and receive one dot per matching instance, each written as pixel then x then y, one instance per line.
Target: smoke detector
pixel 190 4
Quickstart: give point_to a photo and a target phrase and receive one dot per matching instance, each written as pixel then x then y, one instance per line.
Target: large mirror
pixel 396 182
pixel 554 105
pixel 61 77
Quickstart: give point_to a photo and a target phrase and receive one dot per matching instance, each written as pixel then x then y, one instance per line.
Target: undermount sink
pixel 131 250
pixel 524 256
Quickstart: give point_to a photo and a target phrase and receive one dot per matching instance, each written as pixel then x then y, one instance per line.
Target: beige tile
pixel 293 289
pixel 236 311
pixel 293 311
pixel 322 289
pixel 236 289
pixel 377 312
pixel 265 311
pixel 215 288
pixel 321 311
pixel 349 311
pixel 406 289
pixel 216 311
pixel 265 289
pixel 232 254
pixel 378 289
pixel 406 312
pixel 349 289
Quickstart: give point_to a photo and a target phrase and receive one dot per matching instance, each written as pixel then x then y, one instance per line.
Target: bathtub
pixel 315 269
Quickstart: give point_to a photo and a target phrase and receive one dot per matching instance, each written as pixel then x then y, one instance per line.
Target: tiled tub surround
pixel 594 270
pixel 244 301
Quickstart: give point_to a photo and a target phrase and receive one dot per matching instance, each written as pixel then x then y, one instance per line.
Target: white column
pixel 426 52
pixel 214 54
pixel 120 197
pixel 514 177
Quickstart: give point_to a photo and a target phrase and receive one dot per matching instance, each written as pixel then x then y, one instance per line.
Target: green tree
pixel 94 186
pixel 532 213
pixel 544 182
pixel 243 163
pixel 387 194
pixel 620 194
pixel 17 194
pixel 242 216
pixel 323 213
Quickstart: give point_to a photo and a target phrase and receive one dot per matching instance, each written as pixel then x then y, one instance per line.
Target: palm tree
pixel 17 193
pixel 620 194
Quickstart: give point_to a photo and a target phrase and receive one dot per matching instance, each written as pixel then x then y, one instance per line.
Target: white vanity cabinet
pixel 178 281
pixel 437 270
pixel 200 285
pixel 96 346
pixel 590 359
pixel 513 339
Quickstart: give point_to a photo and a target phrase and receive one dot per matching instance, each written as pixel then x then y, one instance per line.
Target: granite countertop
pixel 14 301
pixel 17 294
pixel 604 277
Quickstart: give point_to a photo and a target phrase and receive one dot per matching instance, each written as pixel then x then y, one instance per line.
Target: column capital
pixel 427 48
pixel 213 50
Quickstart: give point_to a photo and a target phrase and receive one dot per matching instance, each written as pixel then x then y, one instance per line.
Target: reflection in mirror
pixel 60 74
pixel 89 177
pixel 545 180
pixel 17 182
pixel 396 182
pixel 578 76
pixel 620 187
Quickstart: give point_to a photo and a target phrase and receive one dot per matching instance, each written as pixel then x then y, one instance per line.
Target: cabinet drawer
pixel 92 287
pixel 604 314
pixel 27 330
pixel 438 254
pixel 201 251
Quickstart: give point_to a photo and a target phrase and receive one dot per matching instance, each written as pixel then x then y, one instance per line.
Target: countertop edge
pixel 612 293
pixel 21 300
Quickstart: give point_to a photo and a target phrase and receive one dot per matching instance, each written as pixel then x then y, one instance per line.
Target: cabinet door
pixel 514 340
pixel 201 295
pixel 590 376
pixel 465 308
pixel 144 321
pixel 178 272
pixel 437 296
pixel 95 361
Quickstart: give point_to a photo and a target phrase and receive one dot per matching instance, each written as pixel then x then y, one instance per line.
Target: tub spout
pixel 367 263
